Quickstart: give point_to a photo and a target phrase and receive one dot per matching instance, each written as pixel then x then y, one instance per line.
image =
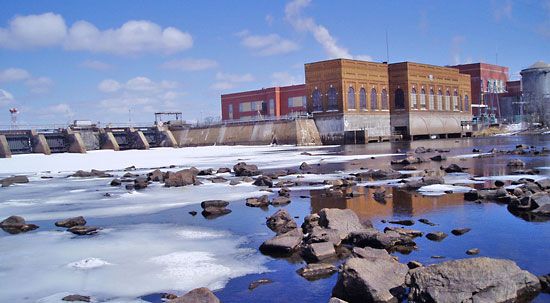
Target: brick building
pixel 264 103
pixel 510 103
pixel 488 81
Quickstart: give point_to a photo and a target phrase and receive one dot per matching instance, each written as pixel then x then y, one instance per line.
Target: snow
pixel 440 189
pixel 510 177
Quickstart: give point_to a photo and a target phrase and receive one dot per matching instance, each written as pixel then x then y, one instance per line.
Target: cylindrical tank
pixel 535 85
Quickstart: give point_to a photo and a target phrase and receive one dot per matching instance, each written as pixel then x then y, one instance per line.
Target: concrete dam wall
pixel 297 132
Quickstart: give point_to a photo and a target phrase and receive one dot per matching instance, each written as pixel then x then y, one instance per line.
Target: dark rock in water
pixel 405 232
pixel 116 182
pixel 129 186
pixel 515 163
pixel 76 298
pixel 14 180
pixel 453 168
pixel 282 244
pixel 310 222
pixel 402 222
pixel 168 296
pixel 206 172
pixel 280 201
pixel 414 264
pixel 234 182
pixel 68 223
pixel 262 201
pixel 140 183
pixel 214 212
pixel 130 168
pixel 472 251
pixel 472 195
pixel 316 252
pixel 410 167
pixel 475 150
pixel 305 154
pixel 363 280
pixel 545 283
pixel 92 173
pixel 218 180
pixel 318 234
pixel 183 177
pixel 427 222
pixel 16 224
pixel 214 203
pixel 281 222
pixel 371 253
pixel 263 181
pixel 197 295
pixel 305 166
pixel 83 230
pixel 373 238
pixel 342 220
pixel 472 280
pixel 499 183
pixel 193 213
pixel 438 158
pixel 243 169
pixel 436 236
pixel 284 192
pixel 383 174
pixel 156 176
pixel 538 203
pixel 315 271
pixel 460 231
pixel 257 283
pixel 379 195
pixel 223 170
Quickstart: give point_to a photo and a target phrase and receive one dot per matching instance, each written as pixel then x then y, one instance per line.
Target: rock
pixel 305 154
pixel 129 186
pixel 181 178
pixel 284 192
pixel 193 213
pixel 334 183
pixel 282 244
pixel 168 296
pixel 438 158
pixel 382 174
pixel 243 169
pixel 405 232
pixel 316 252
pixel 262 201
pixel 371 253
pixel 234 182
pixel 436 236
pixel 515 163
pixel 414 264
pixel 545 283
pixel 541 203
pixel 76 298
pixel 363 280
pixel 472 280
pixel 206 172
pixel 258 282
pixel 263 181
pixel 475 150
pixel 342 220
pixel 427 222
pixel 16 224
pixel 410 167
pixel 130 168
pixel 316 271
pixel 92 173
pixel 281 222
pixel 277 201
pixel 116 182
pixel 218 180
pixel 318 234
pixel 14 180
pixel 140 183
pixel 305 166
pixel 223 170
pixel 376 239
pixel 214 212
pixel 83 230
pixel 499 183
pixel 310 222
pixel 402 222
pixel 197 295
pixel 472 251
pixel 68 223
pixel 156 176
pixel 379 195
pixel 453 168
pixel 336 300
pixel 460 231
pixel 430 180
pixel 420 150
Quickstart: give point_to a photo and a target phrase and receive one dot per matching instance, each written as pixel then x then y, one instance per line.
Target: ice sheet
pixel 440 189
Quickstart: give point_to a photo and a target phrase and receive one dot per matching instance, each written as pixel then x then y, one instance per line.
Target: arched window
pixel 439 100
pixel 399 99
pixel 384 98
pixel 423 99
pixel 460 103
pixel 332 99
pixel 363 99
pixel 455 101
pixel 373 99
pixel 413 98
pixel 351 98
pixel 448 101
pixel 317 104
pixel 466 103
pixel 431 100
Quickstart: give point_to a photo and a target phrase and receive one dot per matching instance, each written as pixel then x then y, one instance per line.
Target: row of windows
pixel 332 99
pixel 458 104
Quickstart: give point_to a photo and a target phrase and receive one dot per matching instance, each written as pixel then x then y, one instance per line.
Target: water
pixel 155 245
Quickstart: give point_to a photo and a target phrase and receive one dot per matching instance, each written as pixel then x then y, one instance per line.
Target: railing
pixel 289 117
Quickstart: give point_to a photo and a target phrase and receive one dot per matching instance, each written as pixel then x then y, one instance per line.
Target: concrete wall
pixel 425 123
pixel 299 132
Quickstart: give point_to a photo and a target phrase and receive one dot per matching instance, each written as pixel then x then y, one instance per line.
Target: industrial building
pixel 535 85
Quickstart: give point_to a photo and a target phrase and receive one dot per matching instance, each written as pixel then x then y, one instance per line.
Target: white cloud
pixel 109 86
pixel 5 97
pixel 190 64
pixel 502 9
pixel 36 85
pixel 63 109
pixel 40 85
pixel 267 45
pixel 134 36
pixel 285 78
pixel 96 65
pixel 293 14
pixel 228 81
pixel 14 74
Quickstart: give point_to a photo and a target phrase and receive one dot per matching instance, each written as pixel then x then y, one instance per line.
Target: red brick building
pixel 488 81
pixel 266 102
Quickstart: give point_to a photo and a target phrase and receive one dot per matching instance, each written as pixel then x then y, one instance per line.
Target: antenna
pixel 387 48
pixel 13 113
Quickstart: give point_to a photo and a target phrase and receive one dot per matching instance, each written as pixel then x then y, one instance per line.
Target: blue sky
pixel 112 61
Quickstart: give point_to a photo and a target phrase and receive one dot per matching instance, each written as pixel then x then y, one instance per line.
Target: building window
pixel 431 100
pixel 230 111
pixel 455 101
pixel 351 98
pixel 384 99
pixel 373 99
pixel 296 101
pixel 317 104
pixel 439 100
pixel 423 99
pixel 271 107
pixel 413 98
pixel 448 101
pixel 399 99
pixel 363 99
pixel 332 99
pixel 466 103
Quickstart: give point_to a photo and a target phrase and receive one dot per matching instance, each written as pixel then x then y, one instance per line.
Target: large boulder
pixel 156 176
pixel 318 234
pixel 371 253
pixel 243 169
pixel 371 237
pixel 365 280
pixel 344 221
pixel 197 295
pixel 453 168
pixel 316 271
pixel 263 181
pixel 16 224
pixel 82 230
pixel 472 280
pixel 92 173
pixel 283 244
pixel 181 178
pixel 70 222
pixel 316 252
pixel 14 180
pixel 281 222
pixel 310 222
pixel 214 208
pixel 262 201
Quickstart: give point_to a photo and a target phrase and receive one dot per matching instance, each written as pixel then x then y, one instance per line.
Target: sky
pixel 121 61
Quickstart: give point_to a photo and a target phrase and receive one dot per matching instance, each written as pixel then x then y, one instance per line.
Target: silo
pixel 535 84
